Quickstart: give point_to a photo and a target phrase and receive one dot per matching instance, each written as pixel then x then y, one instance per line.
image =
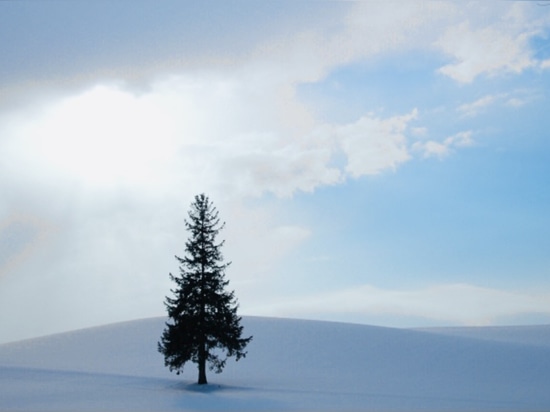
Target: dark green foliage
pixel 203 315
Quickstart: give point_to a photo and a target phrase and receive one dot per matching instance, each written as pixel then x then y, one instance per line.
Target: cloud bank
pixel 458 304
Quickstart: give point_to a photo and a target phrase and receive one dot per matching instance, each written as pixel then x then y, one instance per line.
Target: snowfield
pixel 291 365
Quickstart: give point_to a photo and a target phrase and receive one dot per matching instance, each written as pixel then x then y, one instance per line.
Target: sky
pixel 378 162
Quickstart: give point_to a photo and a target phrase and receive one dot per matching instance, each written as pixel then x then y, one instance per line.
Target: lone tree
pixel 203 315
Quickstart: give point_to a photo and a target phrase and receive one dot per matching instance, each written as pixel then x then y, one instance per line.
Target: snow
pixel 291 365
pixel 538 335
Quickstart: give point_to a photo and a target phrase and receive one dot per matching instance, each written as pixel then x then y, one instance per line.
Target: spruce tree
pixel 203 320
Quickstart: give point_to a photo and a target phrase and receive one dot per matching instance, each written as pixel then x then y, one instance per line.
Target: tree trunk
pixel 202 365
pixel 202 374
pixel 202 342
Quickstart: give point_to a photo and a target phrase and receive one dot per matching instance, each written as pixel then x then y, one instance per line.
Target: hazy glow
pixel 101 137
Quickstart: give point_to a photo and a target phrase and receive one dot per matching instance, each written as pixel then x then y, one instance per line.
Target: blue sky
pixel 375 162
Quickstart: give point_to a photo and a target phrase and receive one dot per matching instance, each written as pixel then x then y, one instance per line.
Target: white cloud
pixel 433 148
pixel 243 125
pixel 446 304
pixel 500 46
pixel 373 145
pixel 214 131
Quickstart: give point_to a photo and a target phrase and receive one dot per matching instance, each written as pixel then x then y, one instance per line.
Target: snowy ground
pixel 292 365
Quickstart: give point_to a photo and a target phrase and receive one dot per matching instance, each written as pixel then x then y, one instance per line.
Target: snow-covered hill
pixel 292 365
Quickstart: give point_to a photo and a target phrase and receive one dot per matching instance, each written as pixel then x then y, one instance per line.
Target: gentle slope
pixel 291 365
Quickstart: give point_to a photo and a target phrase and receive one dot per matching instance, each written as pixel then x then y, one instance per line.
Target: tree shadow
pixel 216 396
pixel 209 388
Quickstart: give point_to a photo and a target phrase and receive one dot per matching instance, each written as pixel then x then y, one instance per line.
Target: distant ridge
pixel 537 335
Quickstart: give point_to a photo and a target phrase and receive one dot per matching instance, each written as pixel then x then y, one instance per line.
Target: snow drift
pixel 291 365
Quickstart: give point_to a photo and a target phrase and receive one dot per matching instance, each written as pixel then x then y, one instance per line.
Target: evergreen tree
pixel 203 315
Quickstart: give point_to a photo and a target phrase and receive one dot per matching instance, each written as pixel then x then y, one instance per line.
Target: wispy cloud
pixel 476 107
pixel 512 99
pixel 432 148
